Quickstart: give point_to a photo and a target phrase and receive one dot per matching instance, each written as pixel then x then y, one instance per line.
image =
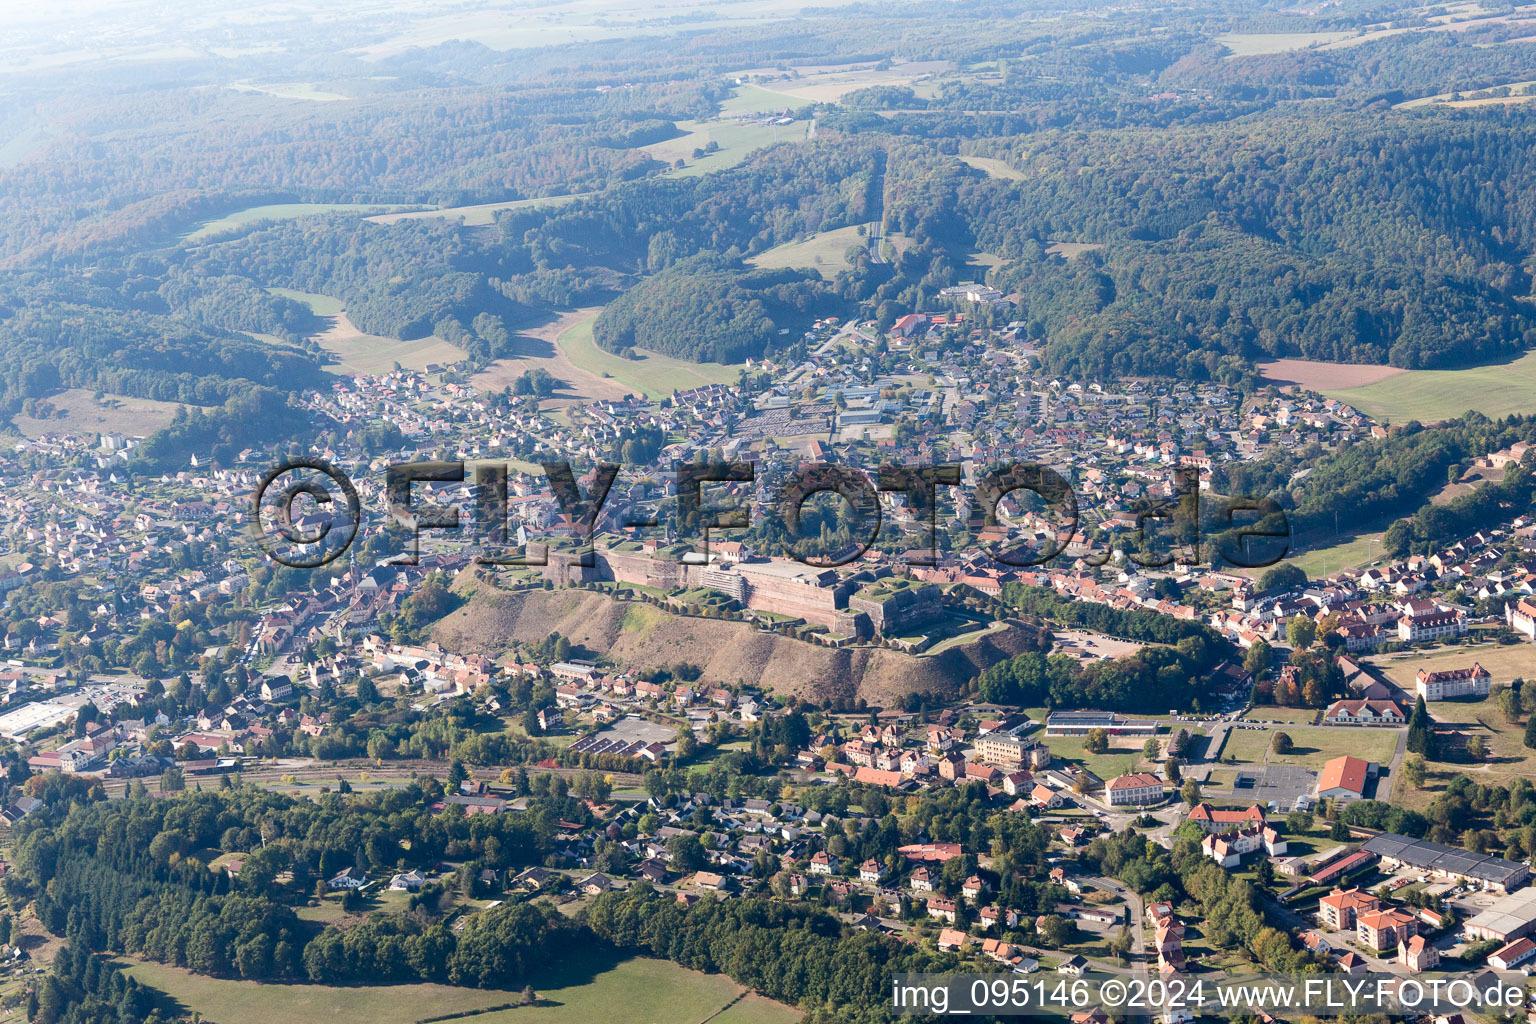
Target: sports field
pixel 638 991
pixel 1351 553
pixel 1497 389
pixel 653 374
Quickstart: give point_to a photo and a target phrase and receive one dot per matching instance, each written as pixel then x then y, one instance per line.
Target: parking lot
pixel 638 730
pixel 1279 784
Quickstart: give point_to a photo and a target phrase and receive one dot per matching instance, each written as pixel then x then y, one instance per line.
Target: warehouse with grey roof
pixel 1448 862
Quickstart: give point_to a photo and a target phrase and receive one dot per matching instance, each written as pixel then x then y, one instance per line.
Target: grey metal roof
pixel 1420 853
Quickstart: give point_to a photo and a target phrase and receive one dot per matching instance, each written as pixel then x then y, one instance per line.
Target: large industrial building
pixel 1448 862
pixel 1081 723
pixel 1510 918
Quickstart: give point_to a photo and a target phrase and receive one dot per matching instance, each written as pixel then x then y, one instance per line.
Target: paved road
pixel 1394 766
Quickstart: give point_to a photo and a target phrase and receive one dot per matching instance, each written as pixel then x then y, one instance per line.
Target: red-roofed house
pixel 1344 778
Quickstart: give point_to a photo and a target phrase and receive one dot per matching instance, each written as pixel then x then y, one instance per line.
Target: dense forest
pixel 1243 206
pixel 1392 477
pixel 707 309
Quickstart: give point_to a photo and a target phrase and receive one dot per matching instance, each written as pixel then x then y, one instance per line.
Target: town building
pixel 1135 790
pixel 1344 778
pixel 1456 682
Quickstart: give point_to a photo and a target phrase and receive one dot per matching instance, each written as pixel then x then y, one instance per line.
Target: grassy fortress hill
pixel 863 604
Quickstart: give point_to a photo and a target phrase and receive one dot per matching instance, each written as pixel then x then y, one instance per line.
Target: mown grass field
pixel 1495 390
pixel 320 305
pixel 1313 745
pixel 278 211
pixel 734 140
pixel 1123 756
pixel 822 252
pixel 637 991
pixel 654 374
pixel 1290 716
pixel 1508 756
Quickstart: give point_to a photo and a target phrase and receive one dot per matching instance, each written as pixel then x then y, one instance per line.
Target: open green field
pixel 1521 88
pixel 994 168
pixel 1508 756
pixel 278 211
pixel 1248 44
pixel 822 252
pixel 77 411
pixel 754 99
pixel 754 1009
pixel 1313 745
pixel 1122 757
pixel 353 351
pixel 320 305
pixel 1494 390
pixel 656 375
pixel 734 140
pixel 478 215
pixel 637 991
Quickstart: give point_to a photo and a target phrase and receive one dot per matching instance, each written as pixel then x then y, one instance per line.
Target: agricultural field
pixel 1523 89
pixel 822 252
pixel 754 99
pixel 278 211
pixel 310 91
pixel 1497 389
pixel 1313 745
pixel 567 21
pixel 354 352
pixel 78 412
pixel 734 142
pixel 537 349
pixel 637 991
pixel 1250 44
pixel 1320 376
pixel 655 375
